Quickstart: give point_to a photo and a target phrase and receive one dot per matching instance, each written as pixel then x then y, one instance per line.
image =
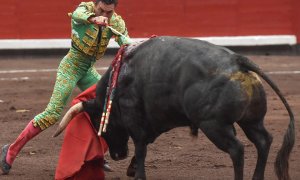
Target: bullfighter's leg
pixel 9 152
pixel 222 135
pixel 257 134
pixel 91 78
pixel 72 68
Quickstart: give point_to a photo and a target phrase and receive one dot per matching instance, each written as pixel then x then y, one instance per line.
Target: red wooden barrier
pixel 35 19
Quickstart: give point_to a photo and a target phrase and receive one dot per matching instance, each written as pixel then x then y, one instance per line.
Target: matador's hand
pixel 100 20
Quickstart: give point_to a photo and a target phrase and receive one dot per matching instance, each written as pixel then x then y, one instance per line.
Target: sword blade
pixel 117 32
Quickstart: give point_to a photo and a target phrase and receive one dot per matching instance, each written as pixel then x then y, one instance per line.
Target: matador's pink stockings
pixel 26 135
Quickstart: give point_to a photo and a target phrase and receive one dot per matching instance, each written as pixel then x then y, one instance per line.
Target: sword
pixel 114 30
pixel 117 32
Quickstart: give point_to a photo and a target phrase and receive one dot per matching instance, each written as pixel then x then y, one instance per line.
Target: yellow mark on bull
pixel 247 79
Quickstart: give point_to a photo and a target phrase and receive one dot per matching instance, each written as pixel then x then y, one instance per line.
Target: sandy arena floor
pixel 25 88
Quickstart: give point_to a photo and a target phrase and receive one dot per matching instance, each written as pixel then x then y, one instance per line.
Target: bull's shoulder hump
pixel 184 41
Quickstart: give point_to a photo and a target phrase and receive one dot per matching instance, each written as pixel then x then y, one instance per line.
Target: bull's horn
pixel 77 108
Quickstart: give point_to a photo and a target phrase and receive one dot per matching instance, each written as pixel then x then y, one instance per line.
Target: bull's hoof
pixel 131 171
pixel 5 167
pixel 131 168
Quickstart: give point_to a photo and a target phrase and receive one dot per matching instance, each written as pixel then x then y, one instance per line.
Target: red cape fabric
pixel 82 151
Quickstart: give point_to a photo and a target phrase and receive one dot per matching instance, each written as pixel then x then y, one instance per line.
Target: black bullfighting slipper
pixel 5 167
pixel 106 167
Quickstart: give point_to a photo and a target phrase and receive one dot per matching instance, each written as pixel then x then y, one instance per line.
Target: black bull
pixel 169 82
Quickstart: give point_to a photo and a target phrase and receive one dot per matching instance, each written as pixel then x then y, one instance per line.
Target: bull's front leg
pixel 131 168
pixel 140 156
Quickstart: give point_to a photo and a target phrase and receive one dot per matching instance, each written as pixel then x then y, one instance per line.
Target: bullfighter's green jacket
pixel 85 34
pixel 77 67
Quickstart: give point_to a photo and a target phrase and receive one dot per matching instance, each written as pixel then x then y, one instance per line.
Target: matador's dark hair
pixel 115 2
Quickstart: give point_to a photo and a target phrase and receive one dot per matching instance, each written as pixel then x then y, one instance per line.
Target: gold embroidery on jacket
pixel 92 34
pixel 87 40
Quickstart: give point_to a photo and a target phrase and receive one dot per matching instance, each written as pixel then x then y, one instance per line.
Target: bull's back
pixel 165 58
pixel 167 62
pixel 177 76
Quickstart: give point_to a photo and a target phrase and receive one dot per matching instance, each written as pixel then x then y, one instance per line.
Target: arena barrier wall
pixel 35 24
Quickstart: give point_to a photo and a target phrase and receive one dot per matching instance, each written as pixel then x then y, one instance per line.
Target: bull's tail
pixel 281 165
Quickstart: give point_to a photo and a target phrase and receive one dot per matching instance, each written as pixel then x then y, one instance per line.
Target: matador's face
pixel 106 10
